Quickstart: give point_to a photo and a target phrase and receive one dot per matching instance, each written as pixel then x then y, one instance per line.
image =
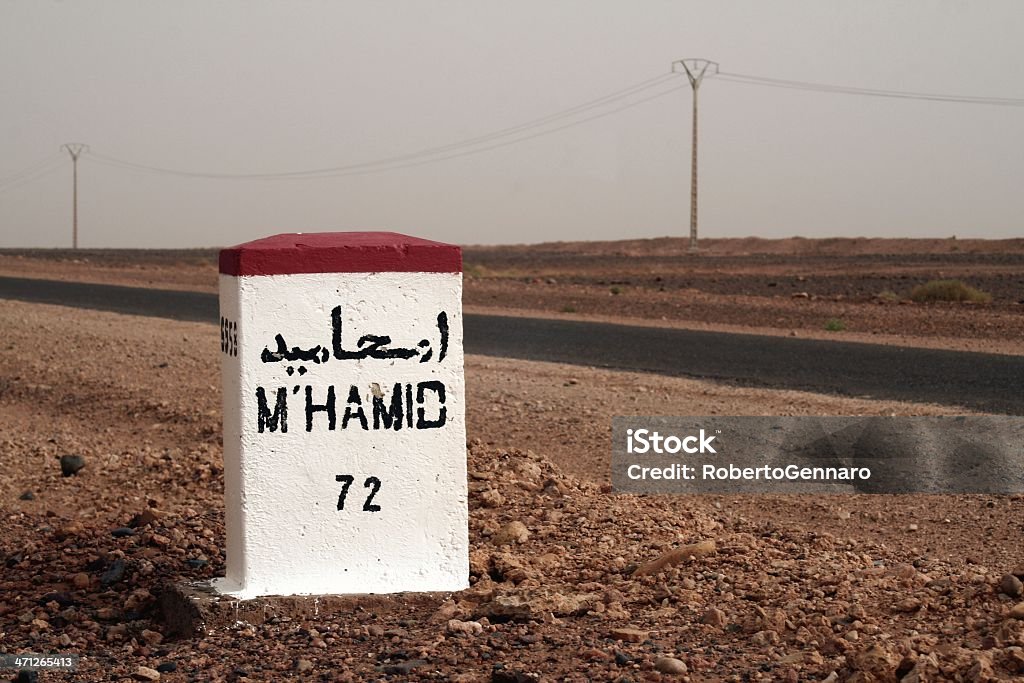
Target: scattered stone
pixel 876 661
pixel 115 573
pixel 402 668
pixel 1017 611
pixel 26 676
pixel 629 635
pixel 511 533
pixel 714 617
pixel 144 673
pixel 81 580
pixel 303 665
pixel 491 499
pixel 28 495
pixel 167 667
pixel 122 532
pixel 595 655
pixel 912 527
pixel 670 665
pixel 908 605
pixel 622 659
pixel 505 676
pixel 538 605
pixel 694 551
pixel 152 637
pixel 144 518
pixel 465 628
pixel 71 464
pixel 1011 585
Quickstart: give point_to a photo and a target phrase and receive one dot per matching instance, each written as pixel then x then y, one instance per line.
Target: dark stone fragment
pixel 506 676
pixel 402 668
pixel 70 464
pixel 115 573
pixel 63 599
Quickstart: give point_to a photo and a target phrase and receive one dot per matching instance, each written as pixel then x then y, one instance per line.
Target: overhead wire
pixel 31 175
pixel 469 145
pixel 869 92
pixel 18 175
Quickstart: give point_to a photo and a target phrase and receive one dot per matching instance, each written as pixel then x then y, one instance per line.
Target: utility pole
pixel 76 150
pixel 695 70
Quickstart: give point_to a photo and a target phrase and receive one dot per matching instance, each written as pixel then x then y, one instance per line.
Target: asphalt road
pixel 987 382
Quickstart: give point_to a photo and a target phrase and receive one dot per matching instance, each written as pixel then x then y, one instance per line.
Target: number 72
pixel 372 483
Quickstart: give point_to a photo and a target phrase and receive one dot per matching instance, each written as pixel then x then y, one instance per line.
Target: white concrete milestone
pixel 344 416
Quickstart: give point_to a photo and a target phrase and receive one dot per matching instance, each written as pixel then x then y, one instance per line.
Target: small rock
pixel 908 605
pixel 912 527
pixel 1011 585
pixel 511 533
pixel 144 518
pixel 402 668
pixel 122 532
pixel 673 557
pixel 670 665
pixel 26 676
pixel 1017 611
pixel 144 673
pixel 303 665
pixel 595 655
pixel 491 499
pixel 71 464
pixel 629 635
pixel 714 617
pixel 167 667
pixel 81 580
pixel 466 628
pixel 152 637
pixel 115 573
pixel 876 661
pixel 28 495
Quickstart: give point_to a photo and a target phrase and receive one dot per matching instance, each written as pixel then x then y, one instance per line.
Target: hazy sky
pixel 268 87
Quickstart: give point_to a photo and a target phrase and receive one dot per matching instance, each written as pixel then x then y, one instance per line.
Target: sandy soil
pixel 850 588
pixel 797 287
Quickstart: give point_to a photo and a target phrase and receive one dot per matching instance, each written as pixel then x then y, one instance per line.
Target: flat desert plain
pixel 570 582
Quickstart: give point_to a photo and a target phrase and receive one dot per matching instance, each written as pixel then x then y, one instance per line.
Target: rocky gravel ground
pixel 570 582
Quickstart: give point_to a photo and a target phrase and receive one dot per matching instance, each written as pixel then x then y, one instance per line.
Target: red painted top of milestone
pixel 340 252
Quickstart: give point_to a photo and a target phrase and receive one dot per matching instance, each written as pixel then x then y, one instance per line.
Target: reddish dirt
pixel 843 588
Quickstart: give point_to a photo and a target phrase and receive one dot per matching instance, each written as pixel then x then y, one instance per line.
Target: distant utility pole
pixel 695 70
pixel 76 150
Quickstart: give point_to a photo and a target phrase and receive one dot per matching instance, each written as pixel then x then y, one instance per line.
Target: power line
pixel 868 92
pixel 26 172
pixel 30 175
pixel 101 159
pixel 394 162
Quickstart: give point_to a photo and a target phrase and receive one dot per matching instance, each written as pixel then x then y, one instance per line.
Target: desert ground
pixel 570 581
